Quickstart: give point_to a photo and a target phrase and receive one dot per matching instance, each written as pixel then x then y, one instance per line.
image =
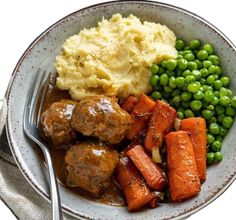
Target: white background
pixel 21 21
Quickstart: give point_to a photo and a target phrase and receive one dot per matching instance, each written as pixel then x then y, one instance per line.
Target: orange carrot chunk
pixel 140 116
pixel 197 129
pixel 161 122
pixel 136 192
pixel 183 177
pixel 129 103
pixel 151 172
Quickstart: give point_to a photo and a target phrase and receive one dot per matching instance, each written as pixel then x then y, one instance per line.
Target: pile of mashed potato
pixel 113 58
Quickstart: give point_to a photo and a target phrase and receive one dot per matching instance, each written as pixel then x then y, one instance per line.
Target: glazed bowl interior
pixel 42 53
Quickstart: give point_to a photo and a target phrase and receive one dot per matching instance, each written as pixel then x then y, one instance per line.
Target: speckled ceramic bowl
pixel 42 53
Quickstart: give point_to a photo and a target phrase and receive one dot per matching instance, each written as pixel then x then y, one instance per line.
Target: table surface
pixel 22 21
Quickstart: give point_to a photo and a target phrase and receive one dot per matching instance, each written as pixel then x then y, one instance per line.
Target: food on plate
pixel 90 166
pixel 144 113
pixel 197 128
pixel 183 177
pixel 101 117
pixel 112 58
pixel 56 122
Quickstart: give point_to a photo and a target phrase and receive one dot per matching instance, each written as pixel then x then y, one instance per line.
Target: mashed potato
pixel 114 57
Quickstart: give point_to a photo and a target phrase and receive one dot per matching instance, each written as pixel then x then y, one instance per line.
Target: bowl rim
pixel 44 194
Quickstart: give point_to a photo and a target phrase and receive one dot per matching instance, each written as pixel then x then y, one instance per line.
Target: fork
pixel 31 121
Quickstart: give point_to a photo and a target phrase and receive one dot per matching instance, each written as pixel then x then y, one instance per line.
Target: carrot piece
pixel 197 129
pixel 183 177
pixel 129 103
pixel 161 122
pixel 151 172
pixel 136 192
pixel 140 116
pixel 153 203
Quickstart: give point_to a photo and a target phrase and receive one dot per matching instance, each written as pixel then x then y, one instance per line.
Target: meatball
pixel 90 166
pixel 101 117
pixel 56 124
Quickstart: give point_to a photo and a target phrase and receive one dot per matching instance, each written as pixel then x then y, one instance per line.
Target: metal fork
pixel 31 121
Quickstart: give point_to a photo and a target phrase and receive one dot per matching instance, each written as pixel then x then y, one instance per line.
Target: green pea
pixel 196 105
pixel 158 87
pixel 213 120
pixel 188 113
pixel 189 57
pixel 224 101
pixel 192 65
pixel 215 101
pixel 154 69
pixel 210 79
pixel 176 100
pixel 179 44
pixel 233 101
pixel 163 63
pixel 186 73
pixel 193 87
pixel 194 44
pixel 186 96
pixel 180 115
pixel 212 69
pixel 172 83
pixel 206 87
pixel 171 64
pixel 208 96
pixel 154 80
pixel 210 158
pixel 209 48
pixel 218 156
pixel 227 121
pixel 207 114
pixel 180 81
pixel 220 118
pixel 225 92
pixel 182 64
pixel 187 48
pixel 180 56
pixel 168 89
pixel 156 95
pixel 217 94
pixel 175 92
pixel 211 107
pixel 202 55
pixel 161 70
pixel 164 79
pixel 218 70
pixel 230 111
pixel 170 72
pixel 197 74
pixel 219 110
pixel 185 104
pixel 195 52
pixel 204 72
pixel 199 63
pixel 225 81
pixel 217 85
pixel 216 146
pixel 203 81
pixel 214 128
pixel 198 95
pixel 181 52
pixel 189 79
pixel 179 72
pixel 214 59
pixel 215 76
pixel 223 132
pixel 210 138
pixel 207 63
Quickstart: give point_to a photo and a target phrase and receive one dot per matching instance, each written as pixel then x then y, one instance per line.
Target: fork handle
pixel 54 192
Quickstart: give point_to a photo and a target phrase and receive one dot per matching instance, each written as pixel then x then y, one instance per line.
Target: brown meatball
pixel 56 122
pixel 101 117
pixel 90 166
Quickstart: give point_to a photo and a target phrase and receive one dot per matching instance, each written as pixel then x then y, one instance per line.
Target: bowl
pixel 42 53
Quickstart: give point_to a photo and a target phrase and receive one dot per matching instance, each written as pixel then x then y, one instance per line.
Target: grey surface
pixel 42 53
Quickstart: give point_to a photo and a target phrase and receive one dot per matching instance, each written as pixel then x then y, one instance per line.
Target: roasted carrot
pixel 151 172
pixel 129 103
pixel 197 129
pixel 140 115
pixel 183 177
pixel 136 191
pixel 153 203
pixel 162 120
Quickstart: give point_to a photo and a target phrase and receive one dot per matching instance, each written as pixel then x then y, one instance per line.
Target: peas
pixel 175 92
pixel 218 156
pixel 170 73
pixel 171 64
pixel 179 44
pixel 212 69
pixel 154 69
pixel 214 59
pixel 189 57
pixel 197 74
pixel 180 81
pixel 225 81
pixel 233 101
pixel 209 48
pixel 207 63
pixel 196 105
pixel 163 63
pixel 214 128
pixel 188 113
pixel 210 157
pixel 218 70
pixel 222 132
pixel 224 92
pixel 206 87
pixel 154 80
pixel 186 96
pixel 156 95
pixel 194 44
pixel 202 55
pixel 168 89
pixel 227 121
pixel 185 104
pixel 216 146
pixel 218 84
pixel 180 115
pixel 207 114
pixel 215 101
pixel 199 63
pixel 182 64
pixel 203 81
pixel 193 87
pixel 204 72
pixel 198 95
pixel 208 96
pixel 192 65
pixel 219 109
pixel 164 79
pixel 210 79
pixel 210 138
pixel 224 101
pixel 217 94
pixel 230 111
pixel 189 79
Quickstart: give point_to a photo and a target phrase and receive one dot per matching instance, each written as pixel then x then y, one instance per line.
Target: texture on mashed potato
pixel 113 58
